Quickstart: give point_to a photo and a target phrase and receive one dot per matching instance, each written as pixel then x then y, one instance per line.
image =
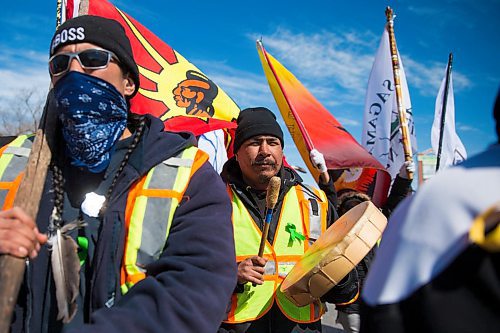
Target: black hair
pixel 349 198
pixel 210 93
pixel 138 124
pixel 58 185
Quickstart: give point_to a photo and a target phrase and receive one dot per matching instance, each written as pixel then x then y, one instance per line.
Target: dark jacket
pixel 186 290
pixel 4 140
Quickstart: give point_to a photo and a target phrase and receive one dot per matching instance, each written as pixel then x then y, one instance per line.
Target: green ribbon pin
pixel 83 249
pixel 294 235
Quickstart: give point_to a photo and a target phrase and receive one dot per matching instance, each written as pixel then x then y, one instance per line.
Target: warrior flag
pixel 452 149
pixel 312 126
pixel 172 88
pixel 381 131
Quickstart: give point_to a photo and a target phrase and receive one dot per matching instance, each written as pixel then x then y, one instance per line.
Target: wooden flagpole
pixel 28 198
pixel 403 121
pixel 443 110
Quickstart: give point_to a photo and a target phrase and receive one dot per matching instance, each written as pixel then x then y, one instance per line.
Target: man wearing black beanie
pixel 148 214
pixel 107 34
pixel 301 214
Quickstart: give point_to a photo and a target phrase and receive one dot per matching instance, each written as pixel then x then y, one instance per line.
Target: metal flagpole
pixel 403 122
pixel 443 110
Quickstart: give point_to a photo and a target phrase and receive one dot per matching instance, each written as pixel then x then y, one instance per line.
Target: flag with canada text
pixel 381 134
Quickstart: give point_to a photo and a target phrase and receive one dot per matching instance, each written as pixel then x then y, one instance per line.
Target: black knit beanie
pixel 103 32
pixel 256 121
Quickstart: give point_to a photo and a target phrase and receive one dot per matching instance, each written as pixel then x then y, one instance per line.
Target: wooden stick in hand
pixel 273 190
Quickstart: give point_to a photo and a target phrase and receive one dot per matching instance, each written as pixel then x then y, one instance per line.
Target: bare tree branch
pixel 21 114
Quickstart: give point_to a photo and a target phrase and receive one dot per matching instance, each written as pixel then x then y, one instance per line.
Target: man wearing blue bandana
pixel 301 215
pixel 149 215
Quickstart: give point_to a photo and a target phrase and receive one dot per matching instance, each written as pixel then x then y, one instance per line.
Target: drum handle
pixel 265 232
pixel 273 190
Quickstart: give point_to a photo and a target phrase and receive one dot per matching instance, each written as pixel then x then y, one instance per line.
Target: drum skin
pixel 334 254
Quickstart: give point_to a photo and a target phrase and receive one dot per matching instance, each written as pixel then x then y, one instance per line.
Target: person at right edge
pixel 438 266
pixel 302 213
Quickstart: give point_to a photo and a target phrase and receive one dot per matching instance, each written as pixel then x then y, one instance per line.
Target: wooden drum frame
pixel 334 254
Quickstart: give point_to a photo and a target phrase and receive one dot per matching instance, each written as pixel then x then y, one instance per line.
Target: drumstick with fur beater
pixel 273 190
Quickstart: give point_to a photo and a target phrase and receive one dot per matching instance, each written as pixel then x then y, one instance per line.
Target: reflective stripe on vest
pixel 151 205
pixel 150 208
pixel 314 213
pixel 282 255
pixel 13 161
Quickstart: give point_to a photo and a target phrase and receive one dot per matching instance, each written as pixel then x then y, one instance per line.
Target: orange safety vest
pixel 151 200
pixel 13 160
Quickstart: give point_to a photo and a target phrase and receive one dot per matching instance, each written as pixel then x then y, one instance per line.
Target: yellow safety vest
pixel 13 160
pixel 151 202
pixel 305 214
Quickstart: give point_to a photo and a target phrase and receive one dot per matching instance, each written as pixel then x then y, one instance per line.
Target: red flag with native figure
pixel 312 126
pixel 172 88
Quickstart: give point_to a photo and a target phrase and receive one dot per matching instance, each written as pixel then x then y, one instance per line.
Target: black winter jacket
pixel 186 290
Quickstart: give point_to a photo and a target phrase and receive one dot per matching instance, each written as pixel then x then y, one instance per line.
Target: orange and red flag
pixel 311 126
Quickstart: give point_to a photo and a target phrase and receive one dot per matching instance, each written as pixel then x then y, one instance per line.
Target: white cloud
pixel 349 122
pixel 467 128
pixel 427 77
pixel 19 59
pixel 32 78
pixel 22 69
pixel 335 66
pixel 424 11
pixel 326 59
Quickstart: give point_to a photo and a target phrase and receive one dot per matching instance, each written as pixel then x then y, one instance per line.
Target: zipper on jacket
pixel 113 275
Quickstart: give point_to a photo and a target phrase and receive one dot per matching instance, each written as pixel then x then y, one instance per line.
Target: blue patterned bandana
pixel 93 115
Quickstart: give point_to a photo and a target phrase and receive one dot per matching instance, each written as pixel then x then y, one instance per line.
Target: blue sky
pixel 328 45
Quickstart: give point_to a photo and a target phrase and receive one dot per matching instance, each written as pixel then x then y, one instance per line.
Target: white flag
pixel 381 132
pixel 212 143
pixel 452 149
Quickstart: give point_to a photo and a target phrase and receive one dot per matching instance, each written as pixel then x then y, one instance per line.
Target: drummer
pixel 301 214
